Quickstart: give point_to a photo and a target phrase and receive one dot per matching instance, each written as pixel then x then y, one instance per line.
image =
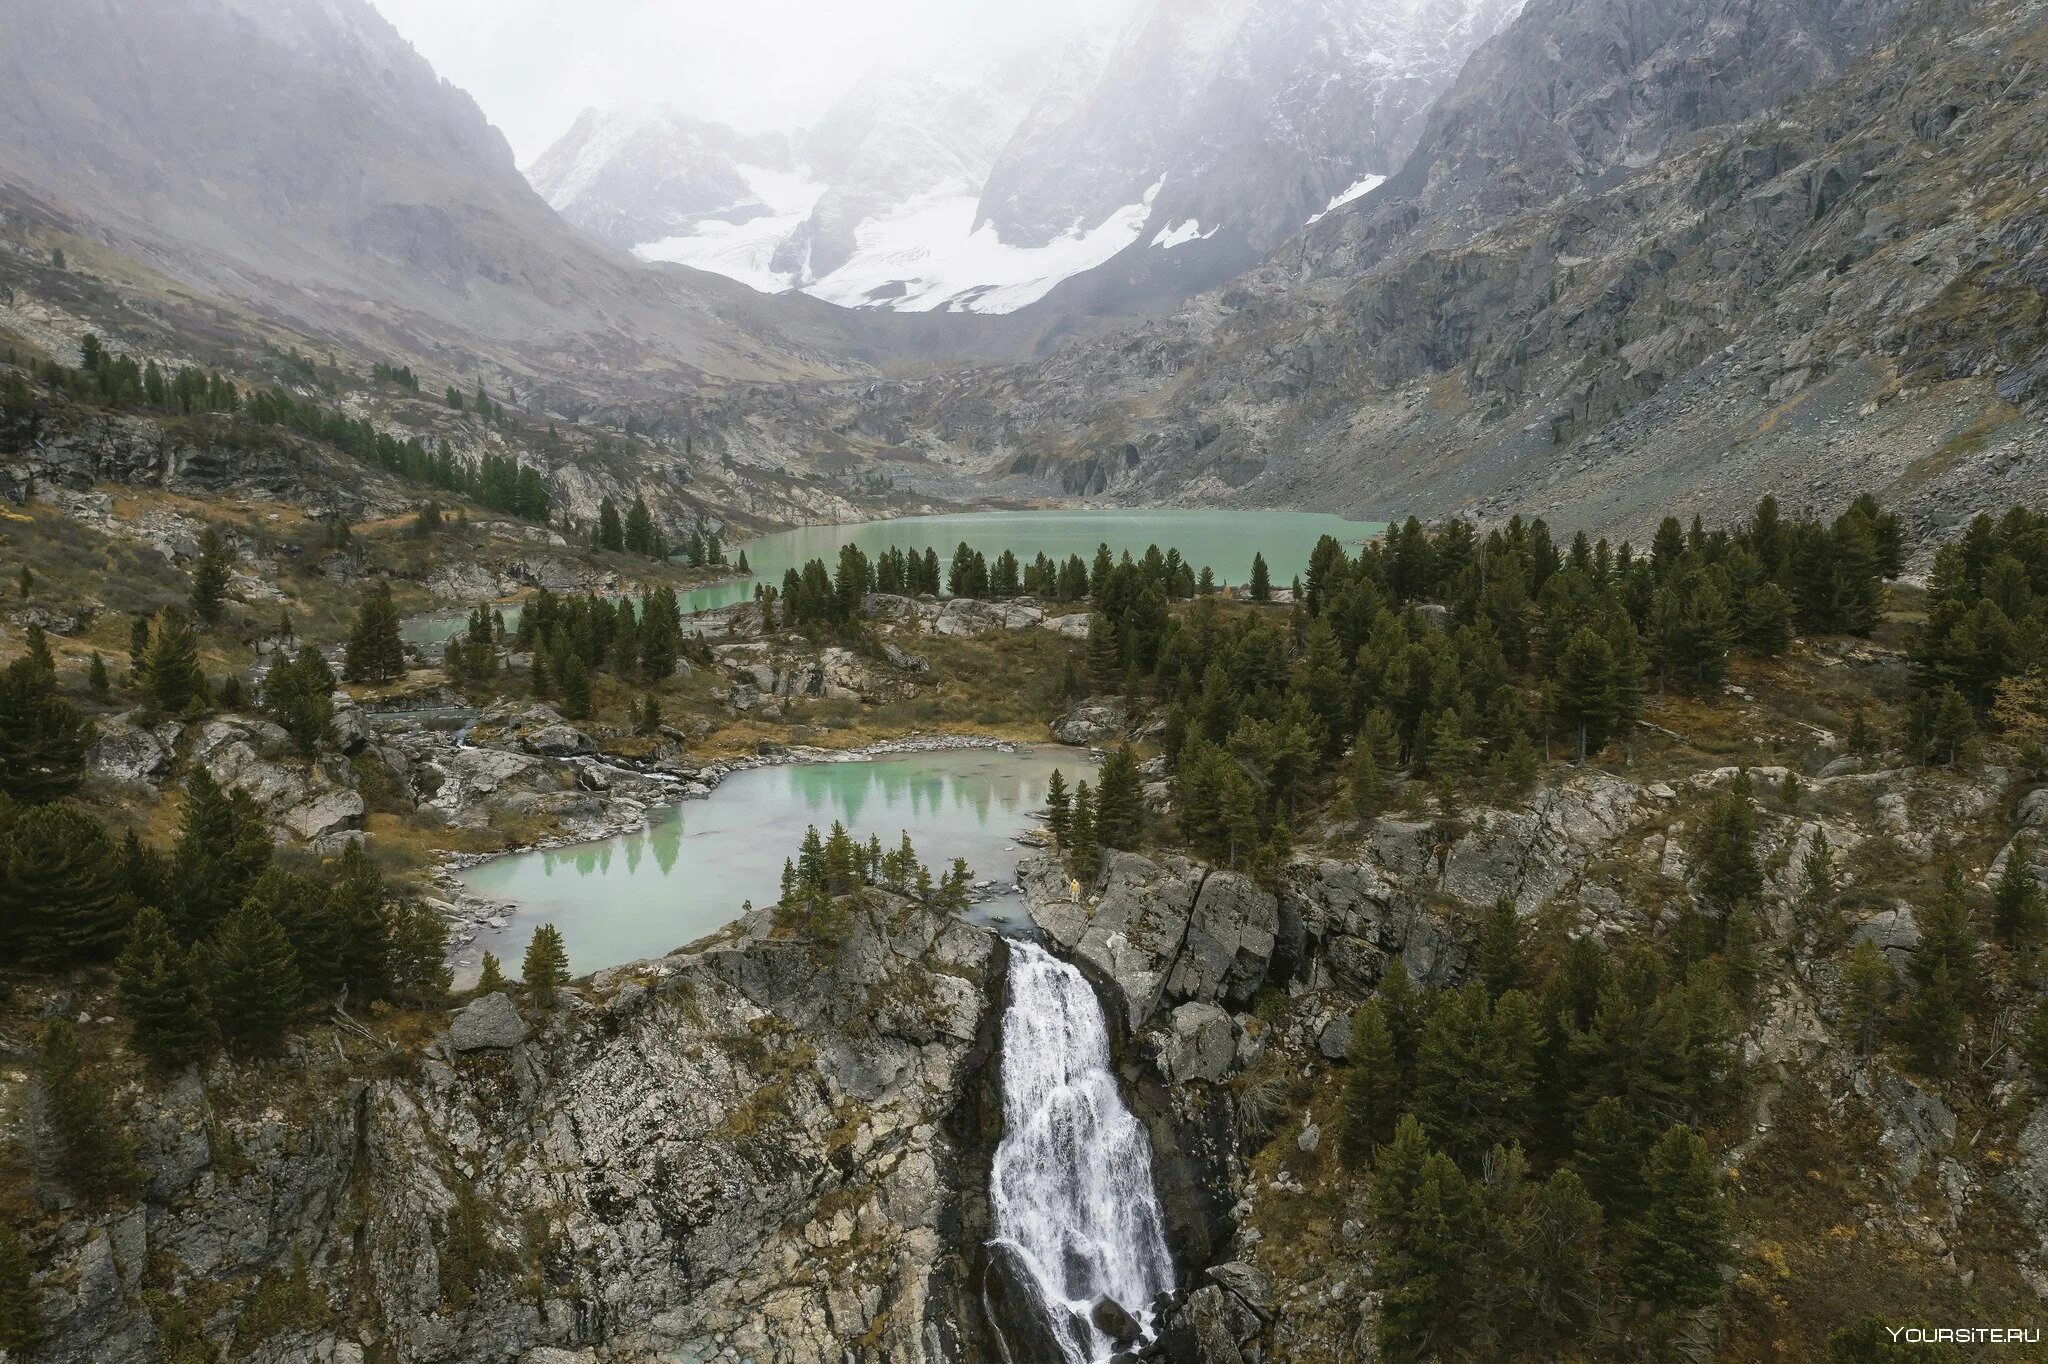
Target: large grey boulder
pixel 1096 722
pixel 557 741
pixel 127 752
pixel 1200 1044
pixel 489 1022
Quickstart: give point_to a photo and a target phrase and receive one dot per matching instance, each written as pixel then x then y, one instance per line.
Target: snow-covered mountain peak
pixel 1183 139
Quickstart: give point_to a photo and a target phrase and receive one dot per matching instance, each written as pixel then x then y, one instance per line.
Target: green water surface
pixel 649 892
pixel 1223 541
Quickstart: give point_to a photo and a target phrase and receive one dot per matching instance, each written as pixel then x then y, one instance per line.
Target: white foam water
pixel 1072 1185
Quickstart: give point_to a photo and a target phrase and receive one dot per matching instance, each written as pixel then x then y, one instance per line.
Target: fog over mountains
pixel 1574 255
pixel 1142 162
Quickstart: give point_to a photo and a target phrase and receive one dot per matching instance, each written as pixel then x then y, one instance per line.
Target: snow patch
pixel 1357 191
pixel 1189 231
pixel 921 256
pixel 928 255
pixel 744 251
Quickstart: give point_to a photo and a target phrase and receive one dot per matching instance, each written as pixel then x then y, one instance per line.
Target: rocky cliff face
pixel 764 1148
pixel 1235 1002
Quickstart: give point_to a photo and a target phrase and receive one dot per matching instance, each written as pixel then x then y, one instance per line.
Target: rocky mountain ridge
pixel 1121 172
pixel 1585 298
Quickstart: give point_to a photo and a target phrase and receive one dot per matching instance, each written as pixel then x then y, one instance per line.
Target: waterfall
pixel 1072 1186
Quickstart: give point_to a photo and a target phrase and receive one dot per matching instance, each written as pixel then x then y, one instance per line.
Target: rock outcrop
pixel 765 1149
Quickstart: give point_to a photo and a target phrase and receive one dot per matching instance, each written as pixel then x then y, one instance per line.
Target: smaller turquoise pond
pixel 646 893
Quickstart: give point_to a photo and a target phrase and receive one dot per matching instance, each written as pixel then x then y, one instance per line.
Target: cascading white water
pixel 1073 1175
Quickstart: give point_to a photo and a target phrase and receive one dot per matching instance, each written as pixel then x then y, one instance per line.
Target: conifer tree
pixel 1373 1089
pixel 94 1154
pixel 1677 1247
pixel 172 681
pixel 573 679
pixel 418 954
pixel 299 694
pixel 1584 698
pixel 375 652
pixel 1867 986
pixel 1084 855
pixel 1608 1149
pixel 491 979
pixel 222 848
pixel 1943 967
pixel 96 677
pixel 355 910
pixel 1368 782
pixel 39 656
pixel 1059 808
pixel 639 530
pixel 21 1319
pixel 43 738
pixel 253 982
pixel 1430 1224
pixel 62 901
pixel 610 533
pixel 1105 653
pixel 546 966
pixel 1500 947
pixel 1262 579
pixel 163 993
pixel 1119 801
pixel 210 576
pixel 2016 906
pixel 1728 871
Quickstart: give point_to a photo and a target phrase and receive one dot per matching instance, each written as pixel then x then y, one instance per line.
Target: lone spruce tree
pixel 1119 801
pixel 546 966
pixel 1372 1091
pixel 375 652
pixel 1059 808
pixel 210 576
pixel 172 683
pixel 1083 853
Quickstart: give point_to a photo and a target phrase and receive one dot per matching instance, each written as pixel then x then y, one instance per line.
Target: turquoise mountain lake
pixel 691 870
pixel 1224 541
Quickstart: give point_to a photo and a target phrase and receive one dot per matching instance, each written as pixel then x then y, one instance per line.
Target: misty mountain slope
pixel 640 176
pixel 298 154
pixel 1114 177
pixel 1843 291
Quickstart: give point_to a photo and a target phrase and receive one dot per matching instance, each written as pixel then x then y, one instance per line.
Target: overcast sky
pixel 534 64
